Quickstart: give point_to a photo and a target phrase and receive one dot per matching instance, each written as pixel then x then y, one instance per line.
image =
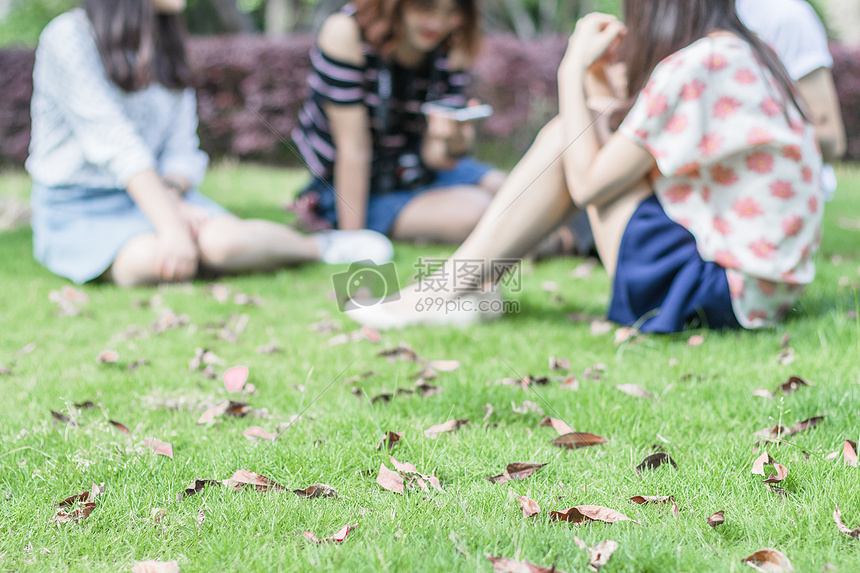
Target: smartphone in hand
pixel 443 108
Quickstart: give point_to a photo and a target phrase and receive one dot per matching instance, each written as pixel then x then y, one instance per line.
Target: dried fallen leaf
pixel 570 383
pixel 781 473
pixel 201 516
pixel 243 478
pixel 559 426
pixel 652 499
pixel 213 412
pixel 585 513
pixel 450 426
pixel 578 440
pixel 392 481
pixel 257 433
pixel 316 490
pixel 654 461
pixel 837 517
pixel 793 384
pixel 235 377
pixel 337 537
pixel 84 405
pixel 507 565
pixel 763 393
pixel 527 407
pixel 598 556
pixel 80 513
pixel 529 506
pixel 716 519
pixel 390 439
pixel 600 327
pixel 769 560
pixel 107 357
pixel 196 487
pixel 559 363
pixel 695 341
pixel 400 352
pixel 62 418
pixel 120 426
pixel 635 390
pixel 625 334
pixel 806 424
pixel 516 471
pixel 270 348
pixel 238 409
pixel 155 567
pixel 849 453
pixel 761 461
pixel 785 356
pixel 772 433
pixel 444 365
pixel 159 447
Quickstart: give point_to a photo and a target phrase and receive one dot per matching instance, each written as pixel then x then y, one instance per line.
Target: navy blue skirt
pixel 662 281
pixel 384 208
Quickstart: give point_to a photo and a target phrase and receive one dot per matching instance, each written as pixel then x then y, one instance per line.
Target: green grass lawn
pixel 703 414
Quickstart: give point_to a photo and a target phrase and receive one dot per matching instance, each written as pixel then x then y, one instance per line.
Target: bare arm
pixel 819 93
pixel 595 175
pixel 350 127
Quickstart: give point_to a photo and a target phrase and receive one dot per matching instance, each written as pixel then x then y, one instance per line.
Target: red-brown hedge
pixel 251 89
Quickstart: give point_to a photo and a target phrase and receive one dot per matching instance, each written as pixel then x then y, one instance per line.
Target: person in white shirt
pixel 794 31
pixel 116 161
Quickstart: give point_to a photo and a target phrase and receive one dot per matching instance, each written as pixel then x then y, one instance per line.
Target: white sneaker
pixel 345 247
pixel 464 310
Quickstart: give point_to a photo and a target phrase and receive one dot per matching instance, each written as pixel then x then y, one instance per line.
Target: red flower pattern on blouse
pixel 770 107
pixel 792 225
pixel 760 162
pixel 747 208
pixel 677 123
pixel 679 193
pixel 722 226
pixel 792 152
pixel 710 144
pixel 782 190
pixel 763 249
pixel 722 175
pixel 745 76
pixel 693 90
pixel 726 107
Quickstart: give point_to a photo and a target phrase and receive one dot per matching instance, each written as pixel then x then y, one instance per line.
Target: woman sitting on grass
pixel 115 160
pixel 705 204
pixel 378 162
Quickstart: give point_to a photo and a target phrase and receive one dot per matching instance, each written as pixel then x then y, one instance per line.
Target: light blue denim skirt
pixel 78 232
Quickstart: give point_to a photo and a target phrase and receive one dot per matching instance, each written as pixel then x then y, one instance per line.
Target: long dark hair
pixel 381 23
pixel 138 46
pixel 658 28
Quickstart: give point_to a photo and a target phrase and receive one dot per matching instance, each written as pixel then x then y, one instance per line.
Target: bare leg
pixel 135 263
pixel 492 181
pixel 445 215
pixel 531 203
pixel 232 245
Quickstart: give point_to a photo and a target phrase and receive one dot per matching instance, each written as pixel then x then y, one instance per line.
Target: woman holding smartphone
pixel 380 162
pixel 115 160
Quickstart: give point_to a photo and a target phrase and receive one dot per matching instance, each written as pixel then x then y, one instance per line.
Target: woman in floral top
pixel 705 204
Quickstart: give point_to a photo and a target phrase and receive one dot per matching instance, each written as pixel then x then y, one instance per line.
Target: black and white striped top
pixel 393 95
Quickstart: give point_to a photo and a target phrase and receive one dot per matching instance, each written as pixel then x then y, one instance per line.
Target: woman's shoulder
pixel 67 26
pixel 340 38
pixel 712 52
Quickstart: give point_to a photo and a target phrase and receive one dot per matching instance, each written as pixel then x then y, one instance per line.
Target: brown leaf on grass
pixel 763 393
pixel 400 352
pixel 427 390
pixel 773 433
pixel 84 405
pixel 559 363
pixel 219 292
pixel 196 487
pixel 599 555
pixel 516 471
pixel 716 519
pixel 235 378
pixel 654 461
pixel 245 478
pixel 652 499
pixel 316 490
pixel 82 497
pixel 769 560
pixel 849 453
pixel 238 409
pixel 403 467
pixel 635 390
pixel 761 461
pixel 506 565
pixel 529 506
pixel 450 426
pixel 695 341
pixel 576 440
pixel 781 473
pixel 389 480
pixel 837 517
pixel 381 398
pixel 585 513
pixel 793 384
pixel 337 537
pixel 120 426
pixel 132 366
pixel 213 412
pixel 390 439
pixel 625 334
pixel 107 357
pixel 806 424
pixel 559 426
pixel 570 383
pixel 80 513
pixel 63 418
pixel 155 567
pixel 158 447
pixel 785 356
pixel 368 333
pixel 169 320
pixel 255 433
pixel 270 348
pixel 444 365
pixel 416 478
